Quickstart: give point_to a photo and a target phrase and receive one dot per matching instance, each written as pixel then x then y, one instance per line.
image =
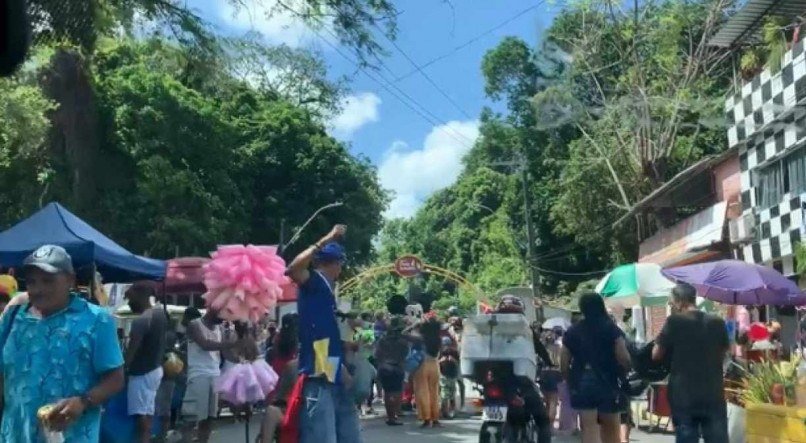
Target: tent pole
pixel 92 284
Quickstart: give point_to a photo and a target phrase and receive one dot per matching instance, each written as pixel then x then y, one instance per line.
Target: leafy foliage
pixel 188 156
pixel 615 101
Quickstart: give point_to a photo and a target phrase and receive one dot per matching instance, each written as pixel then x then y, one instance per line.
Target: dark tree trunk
pixel 73 141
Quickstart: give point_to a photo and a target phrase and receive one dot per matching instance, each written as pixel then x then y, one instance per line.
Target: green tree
pixel 643 90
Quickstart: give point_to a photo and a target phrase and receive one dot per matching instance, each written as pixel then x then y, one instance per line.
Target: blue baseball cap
pixel 331 252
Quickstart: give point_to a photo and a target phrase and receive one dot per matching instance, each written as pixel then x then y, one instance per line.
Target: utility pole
pixel 534 276
pixel 530 240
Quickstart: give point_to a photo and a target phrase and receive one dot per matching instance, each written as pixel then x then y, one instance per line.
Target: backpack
pixel 414 360
pixel 645 368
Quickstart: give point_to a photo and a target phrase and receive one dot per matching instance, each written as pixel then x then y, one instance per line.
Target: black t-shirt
pixel 696 343
pixel 594 345
pixel 151 325
pixel 449 367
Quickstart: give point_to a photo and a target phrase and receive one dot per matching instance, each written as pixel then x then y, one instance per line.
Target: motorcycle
pixel 506 417
pixel 498 355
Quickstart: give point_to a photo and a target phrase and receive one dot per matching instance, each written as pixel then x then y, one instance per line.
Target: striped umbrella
pixel 635 284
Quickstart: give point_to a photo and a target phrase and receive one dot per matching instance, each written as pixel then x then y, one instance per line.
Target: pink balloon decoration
pixel 244 282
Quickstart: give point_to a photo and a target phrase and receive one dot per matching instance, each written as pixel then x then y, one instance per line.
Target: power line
pixel 472 40
pixel 385 84
pixel 426 76
pixel 578 274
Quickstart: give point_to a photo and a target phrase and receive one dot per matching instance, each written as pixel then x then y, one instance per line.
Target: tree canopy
pixel 175 141
pixel 612 102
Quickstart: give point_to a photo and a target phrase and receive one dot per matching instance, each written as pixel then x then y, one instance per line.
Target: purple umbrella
pixel 736 282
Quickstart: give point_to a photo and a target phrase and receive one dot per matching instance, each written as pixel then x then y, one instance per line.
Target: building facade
pixel 768 126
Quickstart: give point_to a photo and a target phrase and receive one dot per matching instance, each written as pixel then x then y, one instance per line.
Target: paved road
pixel 455 431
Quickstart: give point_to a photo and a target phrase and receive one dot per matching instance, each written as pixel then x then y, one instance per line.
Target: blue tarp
pixel 54 224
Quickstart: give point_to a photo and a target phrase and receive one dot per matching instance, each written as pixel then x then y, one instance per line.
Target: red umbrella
pixel 185 275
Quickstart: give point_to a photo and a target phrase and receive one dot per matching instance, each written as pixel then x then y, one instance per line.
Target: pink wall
pixel 728 184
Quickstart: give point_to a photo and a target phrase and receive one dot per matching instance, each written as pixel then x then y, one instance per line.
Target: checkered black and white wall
pixel 768 121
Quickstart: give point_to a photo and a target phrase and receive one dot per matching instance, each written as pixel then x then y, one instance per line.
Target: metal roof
pixel 681 179
pixel 744 26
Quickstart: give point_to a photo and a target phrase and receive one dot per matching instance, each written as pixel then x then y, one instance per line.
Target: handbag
pixel 414 360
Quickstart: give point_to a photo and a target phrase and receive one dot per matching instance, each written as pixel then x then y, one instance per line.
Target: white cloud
pixel 413 175
pixel 357 110
pixel 277 25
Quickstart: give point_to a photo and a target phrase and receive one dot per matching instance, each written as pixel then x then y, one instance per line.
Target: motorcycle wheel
pixel 487 437
pixel 531 433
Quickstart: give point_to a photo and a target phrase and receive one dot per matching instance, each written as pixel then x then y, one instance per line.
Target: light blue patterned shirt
pixel 45 360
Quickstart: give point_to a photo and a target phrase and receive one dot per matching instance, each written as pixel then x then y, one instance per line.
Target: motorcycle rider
pixel 521 389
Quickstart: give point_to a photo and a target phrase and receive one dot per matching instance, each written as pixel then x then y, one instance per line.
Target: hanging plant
pixel 752 63
pixel 775 40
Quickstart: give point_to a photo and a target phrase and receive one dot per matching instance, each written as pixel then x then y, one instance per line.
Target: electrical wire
pixel 388 86
pixel 426 76
pixel 577 274
pixel 472 40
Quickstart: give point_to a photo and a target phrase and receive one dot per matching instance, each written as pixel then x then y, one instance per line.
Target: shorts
pixel 201 401
pixel 591 394
pixel 391 380
pixel 165 398
pixel 142 392
pixel 447 388
pixel 550 381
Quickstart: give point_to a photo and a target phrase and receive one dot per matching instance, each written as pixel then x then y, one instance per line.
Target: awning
pixel 746 23
pixel 688 240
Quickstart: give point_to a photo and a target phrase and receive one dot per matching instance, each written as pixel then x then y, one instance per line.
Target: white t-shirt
pixel 201 362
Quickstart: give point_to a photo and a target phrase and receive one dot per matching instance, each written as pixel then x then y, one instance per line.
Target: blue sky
pixel 415 156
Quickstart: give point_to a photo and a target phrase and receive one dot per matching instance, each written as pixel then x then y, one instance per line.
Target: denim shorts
pixel 329 414
pixel 592 393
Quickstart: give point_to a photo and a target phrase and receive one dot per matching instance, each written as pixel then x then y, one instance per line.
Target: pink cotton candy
pixel 244 281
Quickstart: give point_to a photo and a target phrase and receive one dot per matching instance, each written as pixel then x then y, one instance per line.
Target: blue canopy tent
pixel 54 224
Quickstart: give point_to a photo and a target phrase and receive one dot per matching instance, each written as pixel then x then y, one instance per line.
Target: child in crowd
pixel 449 376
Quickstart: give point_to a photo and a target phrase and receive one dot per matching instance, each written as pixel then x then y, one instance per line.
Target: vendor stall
pixel 764 391
pixel 55 225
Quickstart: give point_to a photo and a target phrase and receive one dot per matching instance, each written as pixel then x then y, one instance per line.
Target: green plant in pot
pixel 759 382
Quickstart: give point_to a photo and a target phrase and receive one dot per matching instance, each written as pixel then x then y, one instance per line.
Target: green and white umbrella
pixel 635 284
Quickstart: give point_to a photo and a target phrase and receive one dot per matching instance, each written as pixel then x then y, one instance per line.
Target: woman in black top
pixel 594 360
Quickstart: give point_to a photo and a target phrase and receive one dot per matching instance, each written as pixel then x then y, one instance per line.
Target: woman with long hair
pixel 594 361
pixel 283 359
pixel 426 378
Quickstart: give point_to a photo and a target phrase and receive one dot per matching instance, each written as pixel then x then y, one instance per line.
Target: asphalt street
pixel 375 430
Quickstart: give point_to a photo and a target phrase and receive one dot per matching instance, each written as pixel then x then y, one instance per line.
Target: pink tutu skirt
pixel 246 383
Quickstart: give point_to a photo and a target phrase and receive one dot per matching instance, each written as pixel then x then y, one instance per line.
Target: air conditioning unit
pixel 742 229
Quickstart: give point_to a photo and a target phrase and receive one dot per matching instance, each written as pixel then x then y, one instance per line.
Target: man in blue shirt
pixel 329 415
pixel 58 350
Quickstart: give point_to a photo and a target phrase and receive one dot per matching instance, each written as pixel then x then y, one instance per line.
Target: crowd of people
pixel 62 360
